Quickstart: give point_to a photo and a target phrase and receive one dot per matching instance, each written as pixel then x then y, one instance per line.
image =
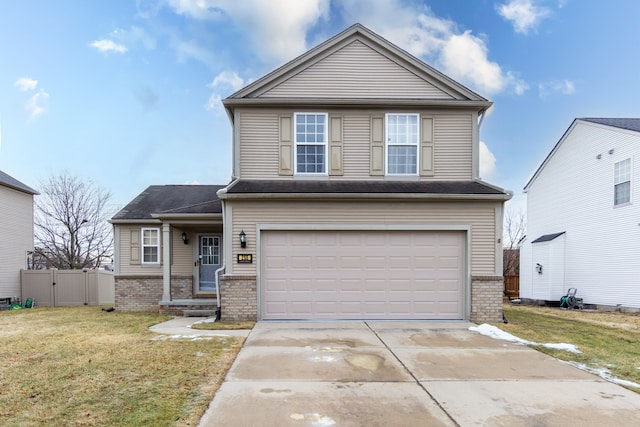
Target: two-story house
pixel 16 233
pixel 355 195
pixel 583 219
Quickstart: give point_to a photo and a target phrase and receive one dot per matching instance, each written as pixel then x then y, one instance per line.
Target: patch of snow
pixel 498 334
pixel 605 374
pixel 208 320
pixel 195 337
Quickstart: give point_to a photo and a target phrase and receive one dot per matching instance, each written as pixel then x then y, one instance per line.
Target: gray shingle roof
pixel 629 123
pixel 172 199
pixel 11 182
pixel 548 237
pixel 375 187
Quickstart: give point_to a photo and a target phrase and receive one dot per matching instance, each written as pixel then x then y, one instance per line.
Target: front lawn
pixel 608 341
pixel 85 367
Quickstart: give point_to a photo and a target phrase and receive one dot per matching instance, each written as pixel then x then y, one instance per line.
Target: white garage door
pixel 362 275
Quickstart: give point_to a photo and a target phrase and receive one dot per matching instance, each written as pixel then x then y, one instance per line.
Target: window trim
pixel 616 183
pixel 143 246
pixel 324 144
pixel 387 144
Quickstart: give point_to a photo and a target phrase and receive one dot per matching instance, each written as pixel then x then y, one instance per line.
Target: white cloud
pixel 524 15
pixel 459 54
pixel 25 83
pixel 36 104
pixel 278 32
pixel 276 29
pixel 106 46
pixel 464 56
pixel 487 162
pixel 226 82
pixel 564 87
pixel 191 49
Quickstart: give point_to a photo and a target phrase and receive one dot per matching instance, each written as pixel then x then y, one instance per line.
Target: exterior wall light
pixel 243 239
pixel 539 268
pixel 185 238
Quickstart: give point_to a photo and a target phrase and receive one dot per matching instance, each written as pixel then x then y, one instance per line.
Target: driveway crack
pixel 411 374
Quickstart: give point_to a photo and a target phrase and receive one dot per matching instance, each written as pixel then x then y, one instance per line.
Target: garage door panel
pixel 362 275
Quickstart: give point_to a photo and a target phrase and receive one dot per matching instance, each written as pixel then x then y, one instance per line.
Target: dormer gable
pixel 356 66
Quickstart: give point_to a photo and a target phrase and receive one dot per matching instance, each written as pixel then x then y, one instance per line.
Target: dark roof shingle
pixel 548 237
pixel 629 123
pixel 369 187
pixel 173 199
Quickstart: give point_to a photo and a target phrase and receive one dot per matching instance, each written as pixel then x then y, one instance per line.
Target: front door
pixel 209 260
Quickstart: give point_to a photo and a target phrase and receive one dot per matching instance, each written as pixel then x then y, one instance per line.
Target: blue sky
pixel 126 93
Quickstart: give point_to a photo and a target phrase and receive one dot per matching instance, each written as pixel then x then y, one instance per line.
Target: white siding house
pixel 583 217
pixel 16 232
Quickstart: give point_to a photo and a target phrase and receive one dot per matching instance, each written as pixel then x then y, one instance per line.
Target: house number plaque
pixel 245 258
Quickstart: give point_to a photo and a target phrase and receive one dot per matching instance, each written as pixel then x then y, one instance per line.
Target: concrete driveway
pixel 407 374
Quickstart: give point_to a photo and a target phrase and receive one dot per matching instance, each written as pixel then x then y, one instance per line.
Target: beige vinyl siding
pixel 16 237
pixel 479 215
pixel 182 256
pixel 125 251
pixel 260 144
pixel 453 154
pixel 356 146
pixel 356 71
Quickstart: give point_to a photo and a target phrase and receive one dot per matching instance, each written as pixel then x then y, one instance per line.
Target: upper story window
pixel 150 245
pixel 311 143
pixel 622 182
pixel 402 144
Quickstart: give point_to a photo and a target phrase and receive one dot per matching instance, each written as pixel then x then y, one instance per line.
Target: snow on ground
pixel 207 320
pixel 194 337
pixel 605 374
pixel 498 334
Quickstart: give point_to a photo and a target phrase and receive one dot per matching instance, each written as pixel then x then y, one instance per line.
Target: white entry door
pixel 209 260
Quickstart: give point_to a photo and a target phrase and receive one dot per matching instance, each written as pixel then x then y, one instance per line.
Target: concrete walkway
pixel 181 327
pixel 407 374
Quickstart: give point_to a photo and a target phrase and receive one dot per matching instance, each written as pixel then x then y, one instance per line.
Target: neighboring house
pixel 16 232
pixel 355 195
pixel 583 217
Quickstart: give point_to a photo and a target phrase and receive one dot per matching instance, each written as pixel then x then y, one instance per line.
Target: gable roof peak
pixel 356 32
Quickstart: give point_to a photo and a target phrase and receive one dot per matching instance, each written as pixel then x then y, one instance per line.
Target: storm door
pixel 209 260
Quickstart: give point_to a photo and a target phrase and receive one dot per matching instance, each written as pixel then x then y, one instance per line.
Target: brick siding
pixel 486 298
pixel 181 286
pixel 238 298
pixel 138 293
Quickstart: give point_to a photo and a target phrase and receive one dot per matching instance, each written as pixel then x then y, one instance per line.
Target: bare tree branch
pixel 515 227
pixel 71 223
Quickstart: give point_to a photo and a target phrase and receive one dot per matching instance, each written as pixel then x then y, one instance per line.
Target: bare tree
pixel 515 227
pixel 71 223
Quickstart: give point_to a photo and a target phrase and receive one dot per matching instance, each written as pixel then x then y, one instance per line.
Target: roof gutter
pixel 369 196
pixel 356 102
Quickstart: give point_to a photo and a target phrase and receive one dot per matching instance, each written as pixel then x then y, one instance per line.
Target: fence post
pixel 53 287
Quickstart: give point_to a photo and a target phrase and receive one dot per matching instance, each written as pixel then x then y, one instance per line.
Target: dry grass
pixel 606 340
pixel 223 326
pixel 81 366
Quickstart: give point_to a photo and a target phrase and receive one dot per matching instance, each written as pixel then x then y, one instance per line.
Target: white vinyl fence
pixel 59 288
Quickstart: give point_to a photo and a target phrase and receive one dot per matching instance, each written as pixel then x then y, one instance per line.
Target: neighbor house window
pixel 150 245
pixel 622 182
pixel 311 143
pixel 402 144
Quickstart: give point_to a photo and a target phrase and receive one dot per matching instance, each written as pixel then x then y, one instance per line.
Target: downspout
pixel 224 265
pixel 221 269
pixel 480 119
